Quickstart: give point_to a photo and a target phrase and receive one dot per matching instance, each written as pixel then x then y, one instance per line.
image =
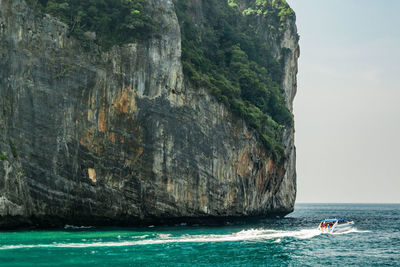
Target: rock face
pixel 120 137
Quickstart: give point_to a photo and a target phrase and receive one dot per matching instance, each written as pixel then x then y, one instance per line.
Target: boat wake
pixel 244 235
pixel 352 230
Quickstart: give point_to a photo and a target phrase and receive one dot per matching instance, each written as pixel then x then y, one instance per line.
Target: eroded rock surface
pixel 120 137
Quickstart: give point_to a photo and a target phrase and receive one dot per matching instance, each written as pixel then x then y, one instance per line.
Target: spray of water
pixel 244 235
pixel 351 230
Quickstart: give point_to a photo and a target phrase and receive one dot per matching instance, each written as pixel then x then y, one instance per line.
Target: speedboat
pixel 335 225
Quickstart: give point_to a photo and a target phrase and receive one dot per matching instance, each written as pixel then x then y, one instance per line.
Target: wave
pixel 352 230
pixel 73 227
pixel 244 235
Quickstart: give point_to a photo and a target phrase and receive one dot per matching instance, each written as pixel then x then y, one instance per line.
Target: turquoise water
pixel 269 242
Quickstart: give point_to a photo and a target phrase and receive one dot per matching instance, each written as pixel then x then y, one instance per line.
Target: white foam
pixel 352 230
pixel 244 235
pixel 139 236
pixel 164 236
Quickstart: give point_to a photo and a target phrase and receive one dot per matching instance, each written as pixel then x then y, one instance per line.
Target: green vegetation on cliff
pixel 269 7
pixel 222 51
pixel 113 21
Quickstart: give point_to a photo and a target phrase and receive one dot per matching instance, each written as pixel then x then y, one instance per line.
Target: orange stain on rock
pixel 270 165
pixel 102 120
pixel 112 137
pixel 125 102
pixel 243 165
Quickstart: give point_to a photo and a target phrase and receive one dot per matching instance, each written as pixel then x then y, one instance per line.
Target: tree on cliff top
pixel 113 21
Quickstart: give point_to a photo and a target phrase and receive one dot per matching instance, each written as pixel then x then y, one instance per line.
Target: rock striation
pixel 121 137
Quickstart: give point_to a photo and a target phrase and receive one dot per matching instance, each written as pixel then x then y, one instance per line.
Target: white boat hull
pixel 337 228
pixel 342 227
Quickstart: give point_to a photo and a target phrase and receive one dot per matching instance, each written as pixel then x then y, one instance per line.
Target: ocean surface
pixel 292 241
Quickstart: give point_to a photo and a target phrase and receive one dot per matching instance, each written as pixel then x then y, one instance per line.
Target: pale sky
pixel 347 108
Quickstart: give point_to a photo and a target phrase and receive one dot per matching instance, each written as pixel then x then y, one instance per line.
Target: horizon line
pixel 302 202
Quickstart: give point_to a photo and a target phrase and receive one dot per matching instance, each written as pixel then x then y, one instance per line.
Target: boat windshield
pixel 340 221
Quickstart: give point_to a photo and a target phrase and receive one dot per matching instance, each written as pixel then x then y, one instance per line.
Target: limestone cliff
pixel 121 137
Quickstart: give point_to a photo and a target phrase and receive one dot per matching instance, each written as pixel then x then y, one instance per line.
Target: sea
pixel 290 241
